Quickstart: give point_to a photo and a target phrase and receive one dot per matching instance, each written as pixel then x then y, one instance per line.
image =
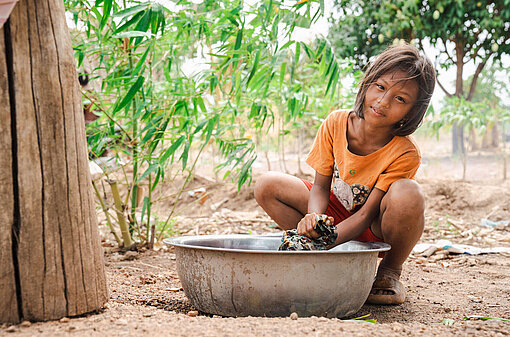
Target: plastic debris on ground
pixel 489 223
pixel 454 248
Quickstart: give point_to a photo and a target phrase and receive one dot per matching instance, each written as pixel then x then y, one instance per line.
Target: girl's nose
pixel 383 100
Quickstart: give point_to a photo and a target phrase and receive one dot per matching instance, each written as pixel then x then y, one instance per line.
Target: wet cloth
pixel 291 240
pixel 339 213
pixel 355 176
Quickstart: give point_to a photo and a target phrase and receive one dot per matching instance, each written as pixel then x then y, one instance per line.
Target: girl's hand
pixel 306 225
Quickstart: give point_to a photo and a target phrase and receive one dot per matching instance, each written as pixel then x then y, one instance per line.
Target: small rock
pixel 12 328
pixel 64 320
pixel 174 289
pixel 294 316
pixel 122 321
pixel 26 324
pixel 397 327
pixel 193 313
pixel 71 328
pixel 147 315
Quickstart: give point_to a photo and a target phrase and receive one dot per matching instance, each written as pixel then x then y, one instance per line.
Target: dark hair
pixel 406 58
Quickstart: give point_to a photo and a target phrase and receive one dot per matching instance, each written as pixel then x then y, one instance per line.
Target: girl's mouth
pixel 376 112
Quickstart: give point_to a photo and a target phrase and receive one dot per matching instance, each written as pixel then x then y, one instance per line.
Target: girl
pixel 368 155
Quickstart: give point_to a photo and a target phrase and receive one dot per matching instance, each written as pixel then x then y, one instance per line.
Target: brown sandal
pixel 387 283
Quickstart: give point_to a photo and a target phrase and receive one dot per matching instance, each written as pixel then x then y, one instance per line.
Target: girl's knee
pixel 406 194
pixel 264 184
pixel 402 211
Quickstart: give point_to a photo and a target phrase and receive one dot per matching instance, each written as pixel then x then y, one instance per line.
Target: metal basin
pixel 246 275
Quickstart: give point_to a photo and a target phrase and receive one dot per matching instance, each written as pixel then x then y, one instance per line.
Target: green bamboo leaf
pixel 283 68
pixel 200 102
pixel 171 150
pixel 139 65
pixel 96 13
pixel 150 169
pixel 200 126
pixel 143 25
pixel 485 318
pixel 213 82
pixel 255 110
pixel 149 133
pixel 210 128
pixel 146 205
pixel 297 54
pixel 245 173
pixel 129 96
pixel 332 77
pixel 261 76
pixel 159 175
pixel 160 132
pixel 254 68
pixel 288 44
pixel 131 10
pixel 309 52
pixel 107 7
pixel 237 45
pixel 239 39
pixel 320 47
pixel 185 154
pixel 130 22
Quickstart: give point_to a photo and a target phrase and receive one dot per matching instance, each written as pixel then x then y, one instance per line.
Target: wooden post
pixel 51 260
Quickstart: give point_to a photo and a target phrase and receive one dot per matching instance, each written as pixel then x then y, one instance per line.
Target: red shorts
pixel 339 213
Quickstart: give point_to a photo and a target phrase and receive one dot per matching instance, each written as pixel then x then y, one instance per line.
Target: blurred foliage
pixel 483 113
pixel 480 28
pixel 486 108
pixel 247 72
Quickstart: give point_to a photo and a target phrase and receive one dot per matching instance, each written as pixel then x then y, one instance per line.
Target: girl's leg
pixel 283 197
pixel 400 224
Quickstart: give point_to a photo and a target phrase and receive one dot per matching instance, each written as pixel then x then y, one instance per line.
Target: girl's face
pixel 389 99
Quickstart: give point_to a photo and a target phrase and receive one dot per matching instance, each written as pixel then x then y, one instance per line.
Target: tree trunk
pixel 458 145
pixel 51 260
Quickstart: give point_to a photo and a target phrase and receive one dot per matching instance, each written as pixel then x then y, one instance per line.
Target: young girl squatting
pixel 365 162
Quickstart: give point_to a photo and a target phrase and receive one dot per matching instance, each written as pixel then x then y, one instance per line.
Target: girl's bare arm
pixel 356 224
pixel 317 204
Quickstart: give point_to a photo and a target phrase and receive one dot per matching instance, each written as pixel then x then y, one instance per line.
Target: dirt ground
pixel 443 289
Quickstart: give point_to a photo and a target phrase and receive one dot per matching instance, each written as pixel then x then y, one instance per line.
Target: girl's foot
pixel 387 288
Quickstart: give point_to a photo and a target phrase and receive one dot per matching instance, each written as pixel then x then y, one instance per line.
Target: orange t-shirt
pixel 355 176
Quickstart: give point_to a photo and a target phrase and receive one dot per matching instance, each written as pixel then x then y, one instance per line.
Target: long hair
pixel 406 58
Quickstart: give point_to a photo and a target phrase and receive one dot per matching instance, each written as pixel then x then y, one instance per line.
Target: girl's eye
pixel 380 86
pixel 399 98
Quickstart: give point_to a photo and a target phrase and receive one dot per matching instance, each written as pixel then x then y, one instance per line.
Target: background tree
pixel 482 116
pixel 462 31
pixel 51 260
pixel 492 92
